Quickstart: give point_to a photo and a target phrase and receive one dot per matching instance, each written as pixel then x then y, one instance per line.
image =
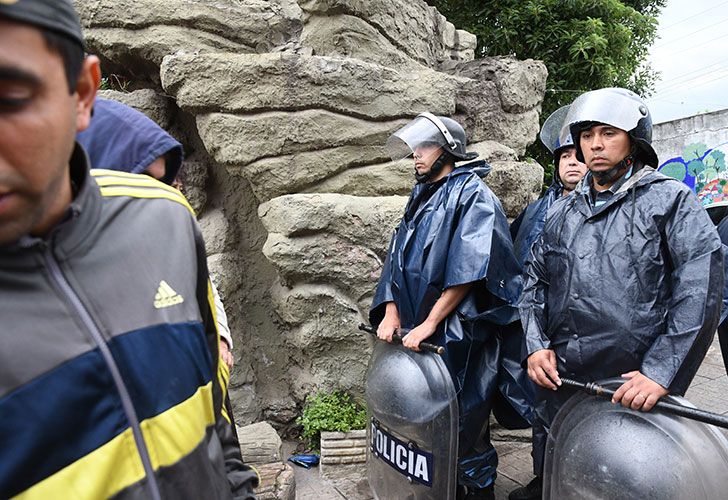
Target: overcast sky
pixel 691 52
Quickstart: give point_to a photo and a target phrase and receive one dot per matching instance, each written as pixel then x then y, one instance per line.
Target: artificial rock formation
pixel 284 107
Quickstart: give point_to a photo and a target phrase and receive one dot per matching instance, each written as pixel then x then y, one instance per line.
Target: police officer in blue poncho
pixel 452 278
pixel 626 278
pixel 568 171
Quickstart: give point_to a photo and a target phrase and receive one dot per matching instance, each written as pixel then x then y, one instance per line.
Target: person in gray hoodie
pixel 110 381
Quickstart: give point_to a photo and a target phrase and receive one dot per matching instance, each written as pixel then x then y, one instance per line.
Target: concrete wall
pixel 693 150
pixel 671 138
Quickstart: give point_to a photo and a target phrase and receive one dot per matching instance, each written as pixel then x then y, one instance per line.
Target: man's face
pixel 571 170
pixel 604 146
pixel 425 156
pixel 38 123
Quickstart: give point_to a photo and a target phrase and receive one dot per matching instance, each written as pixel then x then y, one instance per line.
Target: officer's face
pixel 571 170
pixel 38 123
pixel 425 156
pixel 603 147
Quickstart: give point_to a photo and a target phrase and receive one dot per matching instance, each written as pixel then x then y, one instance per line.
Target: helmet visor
pixel 419 137
pixel 552 128
pixel 618 108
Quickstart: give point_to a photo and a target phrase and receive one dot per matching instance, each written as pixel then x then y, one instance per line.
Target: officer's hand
pixel 639 392
pixel 388 326
pixel 542 369
pixel 416 335
pixel 226 355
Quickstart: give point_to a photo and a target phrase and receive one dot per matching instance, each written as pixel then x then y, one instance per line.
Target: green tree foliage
pixel 334 411
pixel 585 44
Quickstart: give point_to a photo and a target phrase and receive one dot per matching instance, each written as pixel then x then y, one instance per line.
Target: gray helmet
pixel 427 128
pixel 550 133
pixel 617 107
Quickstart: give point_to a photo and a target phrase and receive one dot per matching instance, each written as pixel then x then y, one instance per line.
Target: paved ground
pixel 709 391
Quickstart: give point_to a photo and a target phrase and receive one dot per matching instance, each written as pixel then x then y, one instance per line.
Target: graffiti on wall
pixel 703 169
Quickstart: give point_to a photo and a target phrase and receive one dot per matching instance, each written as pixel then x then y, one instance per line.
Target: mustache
pixel 9 182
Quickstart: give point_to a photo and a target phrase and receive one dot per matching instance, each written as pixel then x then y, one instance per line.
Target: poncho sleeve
pixel 383 293
pixel 533 301
pixel 694 306
pixel 468 254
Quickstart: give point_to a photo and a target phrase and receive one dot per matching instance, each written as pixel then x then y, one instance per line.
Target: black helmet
pixel 619 108
pixel 427 128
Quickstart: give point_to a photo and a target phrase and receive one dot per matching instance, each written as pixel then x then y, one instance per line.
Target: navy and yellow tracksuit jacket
pixel 110 385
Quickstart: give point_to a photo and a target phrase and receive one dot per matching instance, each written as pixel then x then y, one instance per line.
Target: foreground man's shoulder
pixel 141 191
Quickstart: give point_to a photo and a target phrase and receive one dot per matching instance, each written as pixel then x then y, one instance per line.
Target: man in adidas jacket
pixel 110 384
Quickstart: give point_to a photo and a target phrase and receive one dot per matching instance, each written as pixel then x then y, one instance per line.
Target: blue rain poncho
pixel 455 232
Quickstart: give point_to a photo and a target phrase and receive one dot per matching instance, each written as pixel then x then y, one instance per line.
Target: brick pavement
pixel 709 391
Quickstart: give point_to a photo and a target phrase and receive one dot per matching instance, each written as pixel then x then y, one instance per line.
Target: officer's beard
pixel 434 170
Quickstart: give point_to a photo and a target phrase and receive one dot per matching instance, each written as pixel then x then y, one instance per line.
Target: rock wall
pixel 284 108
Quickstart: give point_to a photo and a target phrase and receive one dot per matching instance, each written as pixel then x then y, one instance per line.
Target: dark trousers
pixel 477 458
pixel 547 405
pixel 723 339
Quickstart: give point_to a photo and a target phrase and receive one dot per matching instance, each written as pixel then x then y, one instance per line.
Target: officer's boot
pixel 470 493
pixel 532 491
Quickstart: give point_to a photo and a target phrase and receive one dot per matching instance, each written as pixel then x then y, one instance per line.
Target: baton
pixel 397 339
pixel 672 408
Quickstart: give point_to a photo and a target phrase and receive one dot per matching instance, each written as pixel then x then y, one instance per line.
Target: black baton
pixel 401 332
pixel 672 408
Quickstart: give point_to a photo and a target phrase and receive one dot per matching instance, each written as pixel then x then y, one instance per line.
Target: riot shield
pixel 597 449
pixel 413 425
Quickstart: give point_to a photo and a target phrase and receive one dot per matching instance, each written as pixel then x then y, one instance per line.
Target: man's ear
pixel 86 87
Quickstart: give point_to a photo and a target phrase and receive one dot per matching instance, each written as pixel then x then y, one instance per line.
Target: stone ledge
pixel 343 452
pixel 346 443
pixel 354 459
pixel 355 434
pixel 259 444
pixel 277 482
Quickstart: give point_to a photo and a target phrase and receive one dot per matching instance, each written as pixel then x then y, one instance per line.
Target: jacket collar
pixel 640 177
pixel 78 229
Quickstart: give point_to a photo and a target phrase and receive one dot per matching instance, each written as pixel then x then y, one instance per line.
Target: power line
pixel 692 72
pixel 694 15
pixel 682 103
pixel 690 34
pixel 698 45
pixel 572 91
pixel 694 76
pixel 701 84
pixel 692 85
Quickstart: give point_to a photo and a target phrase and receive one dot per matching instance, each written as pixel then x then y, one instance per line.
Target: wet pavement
pixel 709 391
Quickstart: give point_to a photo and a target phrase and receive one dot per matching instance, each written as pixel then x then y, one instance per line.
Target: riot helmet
pixel 616 107
pixel 426 135
pixel 551 138
pixel 551 133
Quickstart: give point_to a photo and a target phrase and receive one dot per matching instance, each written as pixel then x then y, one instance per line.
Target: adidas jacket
pixel 107 384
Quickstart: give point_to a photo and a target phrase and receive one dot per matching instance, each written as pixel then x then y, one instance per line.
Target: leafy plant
pixel 334 411
pixel 114 82
pixel 585 44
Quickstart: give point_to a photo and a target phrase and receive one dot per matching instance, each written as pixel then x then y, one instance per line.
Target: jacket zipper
pixel 65 287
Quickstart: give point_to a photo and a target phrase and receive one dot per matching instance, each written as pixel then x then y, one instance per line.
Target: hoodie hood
pixel 122 138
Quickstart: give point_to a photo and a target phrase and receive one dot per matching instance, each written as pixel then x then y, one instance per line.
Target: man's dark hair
pixel 71 53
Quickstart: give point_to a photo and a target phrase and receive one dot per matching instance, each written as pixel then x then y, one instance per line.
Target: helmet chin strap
pixel 434 170
pixel 608 176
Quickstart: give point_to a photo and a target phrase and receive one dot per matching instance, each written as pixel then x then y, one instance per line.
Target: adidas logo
pixel 166 296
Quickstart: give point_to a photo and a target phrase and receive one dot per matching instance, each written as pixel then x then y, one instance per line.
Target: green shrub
pixel 333 411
